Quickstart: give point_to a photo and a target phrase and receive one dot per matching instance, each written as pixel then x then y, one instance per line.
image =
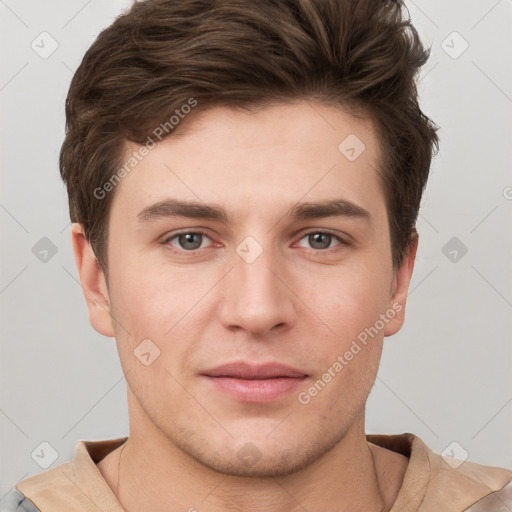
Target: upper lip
pixel 243 370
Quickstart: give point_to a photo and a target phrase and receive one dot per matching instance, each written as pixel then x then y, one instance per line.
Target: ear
pixel 93 282
pixel 400 288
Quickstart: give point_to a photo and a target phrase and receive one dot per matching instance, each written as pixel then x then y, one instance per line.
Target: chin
pixel 261 466
pixel 259 459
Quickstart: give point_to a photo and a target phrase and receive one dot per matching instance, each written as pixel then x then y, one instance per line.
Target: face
pixel 281 270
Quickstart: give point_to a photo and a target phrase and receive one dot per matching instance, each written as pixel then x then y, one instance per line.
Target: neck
pixel 154 474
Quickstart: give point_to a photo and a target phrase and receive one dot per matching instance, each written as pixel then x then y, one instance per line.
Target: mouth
pixel 256 384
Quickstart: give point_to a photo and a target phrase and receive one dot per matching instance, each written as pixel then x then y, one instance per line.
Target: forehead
pixel 259 159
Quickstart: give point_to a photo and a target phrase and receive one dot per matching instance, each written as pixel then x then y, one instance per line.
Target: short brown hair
pixel 160 54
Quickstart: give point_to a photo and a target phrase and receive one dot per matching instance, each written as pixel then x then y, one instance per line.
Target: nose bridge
pixel 256 299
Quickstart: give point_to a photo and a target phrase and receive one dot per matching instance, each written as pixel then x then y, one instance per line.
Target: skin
pixel 300 303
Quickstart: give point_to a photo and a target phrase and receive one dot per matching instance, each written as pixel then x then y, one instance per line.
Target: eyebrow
pixel 300 211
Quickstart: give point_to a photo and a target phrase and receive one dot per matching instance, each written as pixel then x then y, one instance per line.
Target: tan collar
pixel 77 485
pixel 429 482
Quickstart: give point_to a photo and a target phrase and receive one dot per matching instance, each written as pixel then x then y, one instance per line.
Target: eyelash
pixel 167 240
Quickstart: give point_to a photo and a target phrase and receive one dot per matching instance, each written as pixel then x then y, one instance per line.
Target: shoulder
pixel 51 488
pixel 473 487
pixel 433 481
pixel 77 485
pixel 498 501
pixel 15 501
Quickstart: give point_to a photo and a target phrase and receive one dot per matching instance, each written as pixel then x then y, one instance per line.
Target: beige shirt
pixel 430 484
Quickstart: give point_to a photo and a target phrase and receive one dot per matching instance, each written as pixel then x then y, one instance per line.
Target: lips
pixel 255 384
pixel 251 372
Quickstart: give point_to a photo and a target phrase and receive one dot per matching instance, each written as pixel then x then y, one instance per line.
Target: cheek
pixel 151 294
pixel 349 301
pixel 165 305
pixel 349 355
pixel 149 343
pixel 143 304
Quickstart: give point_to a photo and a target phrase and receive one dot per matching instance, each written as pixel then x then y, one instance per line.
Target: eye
pixel 187 241
pixel 321 240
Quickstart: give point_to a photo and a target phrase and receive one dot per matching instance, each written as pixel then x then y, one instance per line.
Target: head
pixel 254 109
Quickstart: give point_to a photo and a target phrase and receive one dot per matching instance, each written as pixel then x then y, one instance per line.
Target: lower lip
pixel 256 391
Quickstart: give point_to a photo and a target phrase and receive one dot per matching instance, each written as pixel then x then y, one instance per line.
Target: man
pixel 244 180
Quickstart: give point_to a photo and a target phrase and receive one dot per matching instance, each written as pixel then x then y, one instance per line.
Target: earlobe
pixel 401 282
pixel 93 282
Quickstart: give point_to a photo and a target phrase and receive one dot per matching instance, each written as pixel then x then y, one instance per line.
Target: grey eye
pixel 189 241
pixel 320 240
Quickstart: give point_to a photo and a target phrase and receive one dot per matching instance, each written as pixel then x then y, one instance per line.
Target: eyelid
pixel 339 237
pixel 168 237
pixel 174 234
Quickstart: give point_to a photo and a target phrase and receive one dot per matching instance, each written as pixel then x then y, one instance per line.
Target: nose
pixel 256 296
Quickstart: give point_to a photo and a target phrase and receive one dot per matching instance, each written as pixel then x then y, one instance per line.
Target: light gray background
pixel 445 377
